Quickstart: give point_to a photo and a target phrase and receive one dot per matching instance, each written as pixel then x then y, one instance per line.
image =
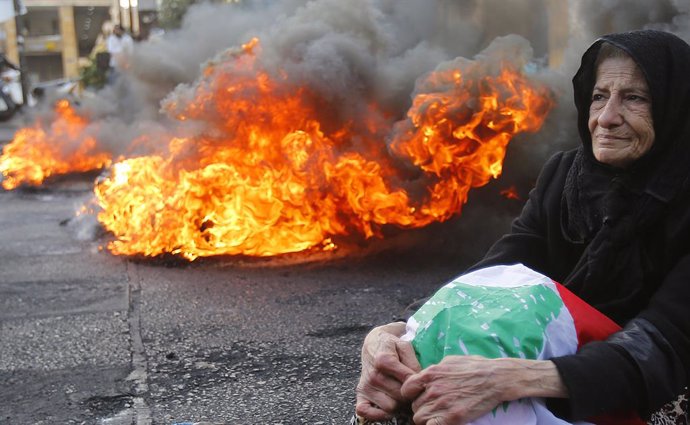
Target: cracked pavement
pixel 90 338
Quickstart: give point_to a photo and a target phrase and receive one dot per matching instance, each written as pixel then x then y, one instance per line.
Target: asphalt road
pixel 7 130
pixel 88 337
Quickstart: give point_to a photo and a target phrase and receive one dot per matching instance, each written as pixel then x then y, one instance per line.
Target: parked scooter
pixel 10 89
pixel 12 98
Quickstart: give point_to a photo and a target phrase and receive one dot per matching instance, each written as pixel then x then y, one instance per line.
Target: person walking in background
pixel 119 45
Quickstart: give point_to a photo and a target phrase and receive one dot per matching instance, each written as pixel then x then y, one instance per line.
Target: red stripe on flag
pixel 593 325
pixel 590 323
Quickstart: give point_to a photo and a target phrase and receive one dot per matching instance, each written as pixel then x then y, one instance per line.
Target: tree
pixel 171 12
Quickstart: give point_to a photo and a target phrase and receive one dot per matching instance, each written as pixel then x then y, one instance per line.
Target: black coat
pixel 620 239
pixel 646 364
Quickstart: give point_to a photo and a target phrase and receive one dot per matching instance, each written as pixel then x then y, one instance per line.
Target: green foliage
pixel 171 12
pixel 92 76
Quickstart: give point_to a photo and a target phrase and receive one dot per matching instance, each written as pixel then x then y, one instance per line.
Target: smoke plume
pixel 355 52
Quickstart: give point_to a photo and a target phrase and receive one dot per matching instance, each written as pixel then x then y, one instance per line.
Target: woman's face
pixel 620 115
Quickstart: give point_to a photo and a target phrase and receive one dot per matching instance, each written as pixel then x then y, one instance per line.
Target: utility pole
pixel 19 21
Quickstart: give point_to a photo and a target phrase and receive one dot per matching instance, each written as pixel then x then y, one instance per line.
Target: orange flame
pixel 511 193
pixel 460 135
pixel 275 173
pixel 36 153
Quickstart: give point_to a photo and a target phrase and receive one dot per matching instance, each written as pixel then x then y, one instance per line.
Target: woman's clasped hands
pixel 456 391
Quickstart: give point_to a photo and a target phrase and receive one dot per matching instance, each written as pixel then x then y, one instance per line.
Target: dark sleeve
pixel 526 243
pixel 641 367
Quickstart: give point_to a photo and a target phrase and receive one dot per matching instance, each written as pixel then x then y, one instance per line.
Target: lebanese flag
pixel 508 311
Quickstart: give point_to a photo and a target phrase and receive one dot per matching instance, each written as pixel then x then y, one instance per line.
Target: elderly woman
pixel 611 221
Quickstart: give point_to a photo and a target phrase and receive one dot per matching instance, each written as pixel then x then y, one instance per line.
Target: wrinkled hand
pixel 386 363
pixel 456 391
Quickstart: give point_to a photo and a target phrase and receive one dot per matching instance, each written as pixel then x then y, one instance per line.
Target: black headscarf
pixel 612 210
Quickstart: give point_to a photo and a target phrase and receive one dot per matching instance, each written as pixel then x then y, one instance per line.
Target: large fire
pixel 47 149
pixel 271 176
pixel 274 171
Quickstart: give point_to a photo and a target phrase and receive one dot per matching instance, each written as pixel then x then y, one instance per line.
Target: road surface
pixel 88 337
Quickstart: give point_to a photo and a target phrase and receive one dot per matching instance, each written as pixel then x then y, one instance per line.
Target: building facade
pixel 57 35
